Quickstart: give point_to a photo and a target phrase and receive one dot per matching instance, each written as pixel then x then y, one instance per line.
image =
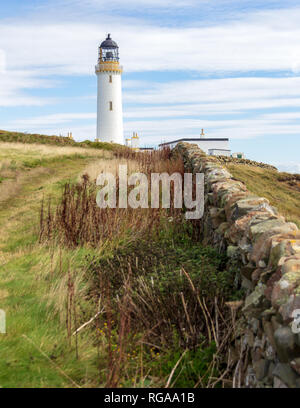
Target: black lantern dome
pixel 109 50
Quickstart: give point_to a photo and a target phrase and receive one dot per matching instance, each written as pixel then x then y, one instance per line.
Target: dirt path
pixel 23 286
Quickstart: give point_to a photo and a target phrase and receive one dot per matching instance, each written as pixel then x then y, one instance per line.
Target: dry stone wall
pixel 266 250
pixel 234 160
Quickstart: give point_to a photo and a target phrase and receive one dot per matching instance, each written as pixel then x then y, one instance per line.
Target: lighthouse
pixel 109 96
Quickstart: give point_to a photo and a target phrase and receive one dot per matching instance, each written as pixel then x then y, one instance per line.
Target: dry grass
pixel 109 166
pixel 27 276
pixel 78 220
pixel 270 184
pixel 149 298
pixel 61 277
pixel 17 151
pixel 20 163
pixel 12 188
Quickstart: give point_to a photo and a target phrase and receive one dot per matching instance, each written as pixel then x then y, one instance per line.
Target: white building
pixel 238 155
pixel 219 152
pixel 135 141
pixel 211 146
pixel 109 97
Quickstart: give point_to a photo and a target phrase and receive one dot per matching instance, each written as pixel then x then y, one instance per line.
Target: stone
pixel 275 323
pixel 291 264
pixel 233 355
pixel 267 252
pixel 270 371
pixel 256 354
pixel 268 329
pixel 260 342
pixel 231 198
pixel 284 245
pixel 259 229
pixel 256 302
pixel 285 374
pixel 218 174
pixel 247 204
pixel 239 228
pixel 232 251
pixel 217 216
pixel 285 343
pixel 254 324
pixel 295 364
pixel 210 198
pixel 286 309
pixel 267 314
pixel 247 284
pixel 270 352
pixel 256 275
pixel 246 247
pixel 262 264
pixel 284 288
pixel 261 368
pixel 262 245
pixel 250 378
pixel 224 190
pixel 278 383
pixel 247 270
pixel 249 338
pixel 223 228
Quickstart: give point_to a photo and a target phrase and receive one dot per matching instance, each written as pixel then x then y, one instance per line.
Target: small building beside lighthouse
pixel 211 146
pixel 109 96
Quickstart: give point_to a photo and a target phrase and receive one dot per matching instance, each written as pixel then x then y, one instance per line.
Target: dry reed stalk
pixel 174 369
pixel 51 361
pixel 200 304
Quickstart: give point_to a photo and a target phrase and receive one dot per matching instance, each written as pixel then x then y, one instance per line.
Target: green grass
pixel 266 183
pixel 34 279
pixel 24 287
pixel 27 138
pixel 34 291
pixel 157 285
pixel 28 314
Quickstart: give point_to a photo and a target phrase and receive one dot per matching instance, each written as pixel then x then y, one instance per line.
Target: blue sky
pixel 230 67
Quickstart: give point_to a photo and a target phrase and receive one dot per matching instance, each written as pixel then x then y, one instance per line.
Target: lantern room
pixel 108 51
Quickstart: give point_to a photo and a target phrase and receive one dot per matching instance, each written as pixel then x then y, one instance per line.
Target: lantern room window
pixel 108 51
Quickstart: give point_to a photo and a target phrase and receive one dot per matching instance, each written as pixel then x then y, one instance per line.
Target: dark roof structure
pixel 223 150
pixel 109 43
pixel 196 140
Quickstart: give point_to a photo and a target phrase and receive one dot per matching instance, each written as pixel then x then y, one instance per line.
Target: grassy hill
pixel 28 173
pixel 28 138
pixel 107 274
pixel 125 279
pixel 282 189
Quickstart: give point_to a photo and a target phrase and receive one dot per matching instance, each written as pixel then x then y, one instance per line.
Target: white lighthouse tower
pixel 109 98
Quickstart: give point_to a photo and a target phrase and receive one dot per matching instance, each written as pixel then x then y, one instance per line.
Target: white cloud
pixel 229 90
pixel 53 120
pixel 234 129
pixel 224 110
pixel 289 167
pixel 2 62
pixel 280 116
pixel 13 83
pixel 205 109
pixel 268 41
pixel 255 42
pixel 155 131
pixel 117 4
